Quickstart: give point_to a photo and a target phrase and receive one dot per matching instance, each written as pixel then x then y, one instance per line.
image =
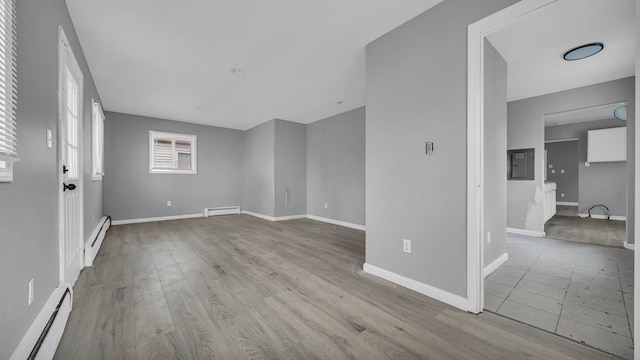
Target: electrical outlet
pixel 562 171
pixel 550 166
pixel 31 291
pixel 326 205
pixel 168 202
pixel 406 246
pixel 561 194
pixel 488 237
pixel 553 171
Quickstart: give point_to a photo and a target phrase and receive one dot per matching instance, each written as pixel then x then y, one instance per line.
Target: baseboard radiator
pixel 43 337
pixel 92 246
pixel 224 210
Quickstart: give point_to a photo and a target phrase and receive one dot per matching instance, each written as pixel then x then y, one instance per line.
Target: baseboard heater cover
pixel 43 337
pixel 92 246
pixel 223 210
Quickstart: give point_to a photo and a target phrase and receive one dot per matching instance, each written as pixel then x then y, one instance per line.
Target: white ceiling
pixel 593 113
pixel 534 47
pixel 173 59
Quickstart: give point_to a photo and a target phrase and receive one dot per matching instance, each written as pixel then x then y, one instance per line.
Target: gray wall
pixel 290 168
pixel 525 129
pixel 416 86
pixel 131 192
pixel 495 148
pixel 563 156
pixel 336 167
pixel 30 243
pixel 600 183
pixel 259 169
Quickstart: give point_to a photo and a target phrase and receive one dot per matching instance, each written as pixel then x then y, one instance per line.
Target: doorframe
pixel 477 32
pixel 67 57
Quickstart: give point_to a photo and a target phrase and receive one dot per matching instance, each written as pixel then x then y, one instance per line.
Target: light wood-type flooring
pixel 238 287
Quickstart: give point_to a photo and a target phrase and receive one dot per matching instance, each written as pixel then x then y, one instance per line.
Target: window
pixel 8 89
pixel 172 153
pixel 97 133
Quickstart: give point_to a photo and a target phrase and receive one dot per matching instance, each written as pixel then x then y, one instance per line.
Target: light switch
pixel 550 166
pixel 562 171
pixel 49 139
pixel 553 171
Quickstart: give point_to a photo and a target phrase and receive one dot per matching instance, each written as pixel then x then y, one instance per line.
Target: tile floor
pixel 580 291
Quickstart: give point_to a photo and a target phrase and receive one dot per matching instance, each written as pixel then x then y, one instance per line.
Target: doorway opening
pixel 566 280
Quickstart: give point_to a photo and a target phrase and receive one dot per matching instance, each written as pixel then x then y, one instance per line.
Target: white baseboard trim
pixel 93 244
pixel 159 218
pixel 424 289
pixel 291 217
pixel 50 344
pixel 337 222
pixel 629 246
pixel 566 203
pixel 306 216
pixel 604 217
pixel 495 264
pixel 258 215
pixel 526 232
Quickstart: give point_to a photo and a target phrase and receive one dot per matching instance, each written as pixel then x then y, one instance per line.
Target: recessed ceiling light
pixel 237 71
pixel 621 112
pixel 583 51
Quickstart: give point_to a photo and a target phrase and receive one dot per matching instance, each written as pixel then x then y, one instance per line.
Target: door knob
pixel 69 187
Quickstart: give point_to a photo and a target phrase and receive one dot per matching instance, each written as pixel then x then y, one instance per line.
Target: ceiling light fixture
pixel 339 102
pixel 583 51
pixel 621 112
pixel 237 71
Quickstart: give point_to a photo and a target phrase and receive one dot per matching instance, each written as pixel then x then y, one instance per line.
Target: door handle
pixel 64 169
pixel 69 187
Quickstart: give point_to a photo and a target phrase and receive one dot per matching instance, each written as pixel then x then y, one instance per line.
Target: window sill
pixel 173 172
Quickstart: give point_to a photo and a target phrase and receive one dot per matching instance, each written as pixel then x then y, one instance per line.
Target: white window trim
pixel 97 141
pixel 9 155
pixel 6 174
pixel 174 136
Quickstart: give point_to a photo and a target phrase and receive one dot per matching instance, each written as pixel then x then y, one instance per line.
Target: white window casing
pixel 171 153
pixel 8 90
pixel 97 140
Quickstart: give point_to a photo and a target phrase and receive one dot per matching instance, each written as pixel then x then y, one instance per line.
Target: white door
pixel 70 163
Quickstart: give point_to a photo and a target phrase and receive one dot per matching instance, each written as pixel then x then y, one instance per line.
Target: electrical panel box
pixel 521 164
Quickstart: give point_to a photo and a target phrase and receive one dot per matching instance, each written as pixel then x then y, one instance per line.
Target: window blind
pixel 183 150
pixel 8 82
pixel 163 151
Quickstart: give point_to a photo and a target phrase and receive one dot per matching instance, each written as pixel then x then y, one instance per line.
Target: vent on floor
pixel 224 210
